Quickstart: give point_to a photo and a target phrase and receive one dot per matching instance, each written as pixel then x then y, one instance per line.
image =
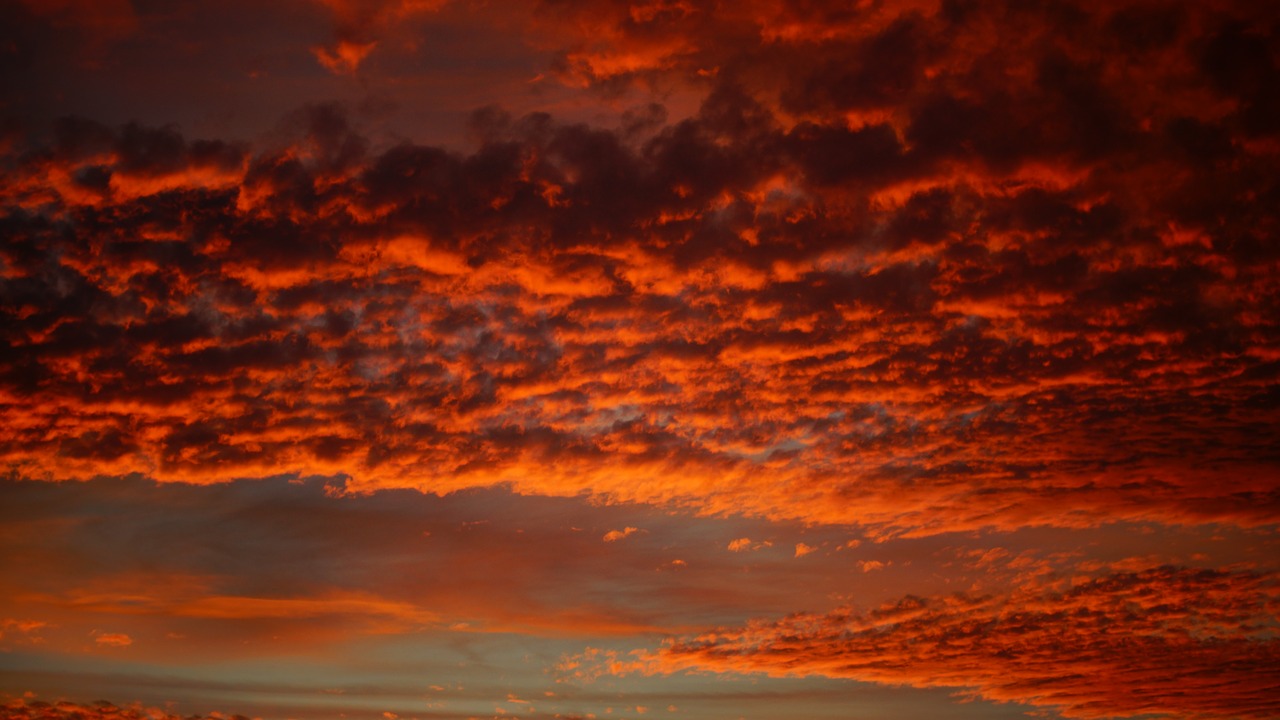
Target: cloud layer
pixel 883 308
pixel 1163 641
pixel 30 709
pixel 460 335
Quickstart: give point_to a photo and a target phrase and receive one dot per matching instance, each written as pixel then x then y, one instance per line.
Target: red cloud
pixel 914 267
pixel 345 57
pixel 360 24
pixel 1164 641
pixel 928 303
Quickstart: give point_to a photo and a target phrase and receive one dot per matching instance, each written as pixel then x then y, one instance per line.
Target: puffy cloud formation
pixel 1163 641
pixel 838 302
pixel 915 329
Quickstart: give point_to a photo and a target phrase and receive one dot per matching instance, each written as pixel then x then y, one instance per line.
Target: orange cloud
pixel 119 640
pixel 345 57
pixel 1187 643
pixel 912 272
pixel 616 535
pixel 359 25
pixel 229 607
pixel 21 631
pixel 172 596
pixel 803 302
pixel 29 708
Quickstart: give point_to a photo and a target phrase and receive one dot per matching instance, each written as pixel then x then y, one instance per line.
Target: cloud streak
pixel 1162 641
pixel 32 709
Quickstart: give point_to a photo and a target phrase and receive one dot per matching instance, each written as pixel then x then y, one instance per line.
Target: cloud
pixel 360 24
pixel 1166 640
pixel 918 273
pixel 615 535
pixel 29 708
pixel 843 303
pixel 286 565
pixel 118 640
pixel 266 571
pixel 345 57
pixel 21 631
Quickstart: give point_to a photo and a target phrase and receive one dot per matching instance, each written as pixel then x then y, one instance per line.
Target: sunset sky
pixel 773 360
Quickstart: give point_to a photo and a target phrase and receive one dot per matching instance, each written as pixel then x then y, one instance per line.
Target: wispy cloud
pixel 1163 641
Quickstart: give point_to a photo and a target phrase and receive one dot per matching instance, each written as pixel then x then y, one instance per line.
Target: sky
pixel 451 359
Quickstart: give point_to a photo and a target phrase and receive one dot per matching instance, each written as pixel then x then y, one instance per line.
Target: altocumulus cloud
pixel 950 341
